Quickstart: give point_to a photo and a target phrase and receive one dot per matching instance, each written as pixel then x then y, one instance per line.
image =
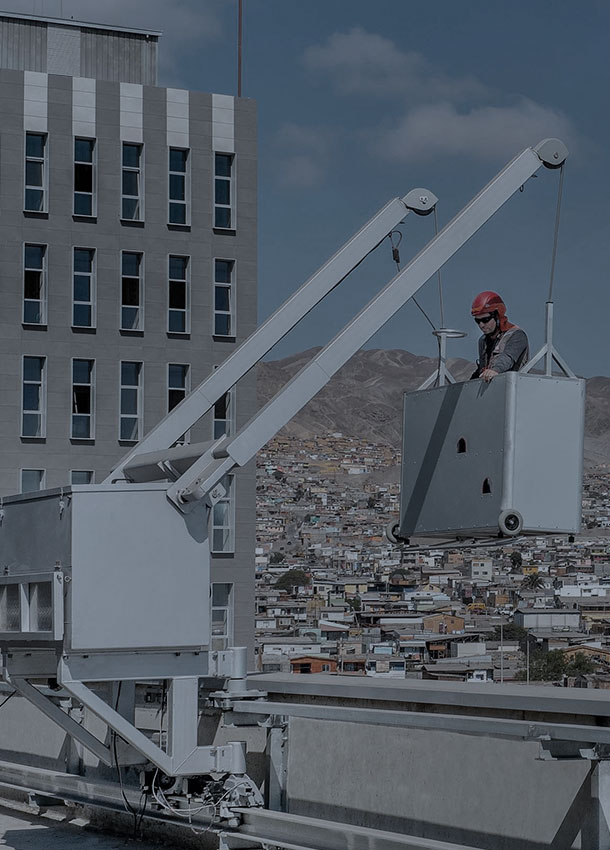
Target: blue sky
pixel 360 102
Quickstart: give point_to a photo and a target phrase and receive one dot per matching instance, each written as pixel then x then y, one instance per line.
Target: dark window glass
pixel 130 209
pixel 33 173
pixel 221 298
pixel 177 375
pixel 82 288
pixel 222 217
pixel 81 400
pixel 223 270
pixel 34 144
pixel 83 150
pixel 220 408
pixel 131 156
pixel 131 264
pixel 131 292
pixel 129 401
pixel 81 372
pixel 83 178
pixel 34 200
pixel 223 164
pixel 177 159
pixel 32 284
pixel 177 295
pixel 32 313
pixel 129 373
pixel 177 268
pixel 82 316
pixel 83 260
pixel 177 213
pixel 177 322
pixel 31 425
pixel 33 256
pixel 222 325
pixel 83 204
pixel 174 397
pixel 222 192
pixel 81 427
pixel 31 396
pixel 129 429
pixel 130 182
pixel 176 187
pixel 32 368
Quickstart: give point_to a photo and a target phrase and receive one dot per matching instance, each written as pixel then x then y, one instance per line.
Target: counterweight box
pixel 482 460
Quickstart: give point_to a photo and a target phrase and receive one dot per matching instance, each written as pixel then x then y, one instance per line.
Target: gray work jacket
pixel 507 353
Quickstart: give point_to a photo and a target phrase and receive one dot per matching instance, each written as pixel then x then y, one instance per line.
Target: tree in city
pixel 516 560
pixel 552 666
pixel 276 558
pixel 532 581
pixel 371 502
pixel 509 632
pixel 291 579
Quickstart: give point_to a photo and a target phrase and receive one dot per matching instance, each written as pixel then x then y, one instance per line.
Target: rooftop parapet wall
pixel 78 49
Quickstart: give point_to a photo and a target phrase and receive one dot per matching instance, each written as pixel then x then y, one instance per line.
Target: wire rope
pixel 556 231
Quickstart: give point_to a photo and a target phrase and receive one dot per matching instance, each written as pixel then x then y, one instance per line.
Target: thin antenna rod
pixel 240 11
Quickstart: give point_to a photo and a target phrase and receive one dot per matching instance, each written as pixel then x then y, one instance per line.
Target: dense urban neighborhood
pixel 334 595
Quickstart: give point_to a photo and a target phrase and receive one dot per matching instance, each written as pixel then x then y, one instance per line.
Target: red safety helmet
pixel 490 302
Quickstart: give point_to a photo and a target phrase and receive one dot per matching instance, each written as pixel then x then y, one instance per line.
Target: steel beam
pixel 200 479
pixel 250 352
pixel 494 727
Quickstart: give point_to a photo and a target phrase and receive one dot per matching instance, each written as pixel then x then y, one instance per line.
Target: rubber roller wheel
pixel 510 523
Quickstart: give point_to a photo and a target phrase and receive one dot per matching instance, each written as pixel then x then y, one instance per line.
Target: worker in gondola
pixel 503 347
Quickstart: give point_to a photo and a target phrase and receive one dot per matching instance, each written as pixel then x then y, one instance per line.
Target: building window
pixel 131 401
pixel 222 616
pixel 33 416
pixel 178 296
pixel 35 172
pixel 178 186
pixel 132 207
pixel 32 480
pixel 224 190
pixel 83 385
pixel 35 285
pixel 81 476
pixel 131 291
pixel 177 384
pixel 224 298
pixel 224 415
pixel 83 288
pixel 223 518
pixel 84 177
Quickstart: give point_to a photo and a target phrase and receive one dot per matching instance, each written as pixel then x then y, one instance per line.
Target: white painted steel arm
pixel 203 476
pixel 253 349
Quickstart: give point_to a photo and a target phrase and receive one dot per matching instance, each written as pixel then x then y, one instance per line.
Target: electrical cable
pixel 396 258
pixel 137 814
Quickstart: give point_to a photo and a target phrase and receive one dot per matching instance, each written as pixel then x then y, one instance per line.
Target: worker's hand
pixel 488 374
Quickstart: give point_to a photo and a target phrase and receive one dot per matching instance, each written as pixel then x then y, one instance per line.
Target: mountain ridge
pixel 385 374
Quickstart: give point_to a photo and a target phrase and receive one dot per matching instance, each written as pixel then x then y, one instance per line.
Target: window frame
pixel 139 170
pixel 230 395
pixel 139 416
pixel 228 548
pixel 92 303
pixel 44 187
pixel 44 285
pixel 232 289
pixel 31 469
pixel 140 307
pixel 232 205
pixel 187 294
pixel 187 384
pixel 90 472
pixel 225 639
pixel 42 411
pixel 91 385
pixel 186 174
pixel 93 165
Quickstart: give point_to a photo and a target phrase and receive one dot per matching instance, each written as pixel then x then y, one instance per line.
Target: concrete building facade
pixel 128 270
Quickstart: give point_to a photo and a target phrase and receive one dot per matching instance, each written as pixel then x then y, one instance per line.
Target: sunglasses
pixel 482 320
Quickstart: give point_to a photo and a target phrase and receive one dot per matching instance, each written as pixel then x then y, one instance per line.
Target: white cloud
pixel 484 132
pixel 362 63
pixel 303 155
